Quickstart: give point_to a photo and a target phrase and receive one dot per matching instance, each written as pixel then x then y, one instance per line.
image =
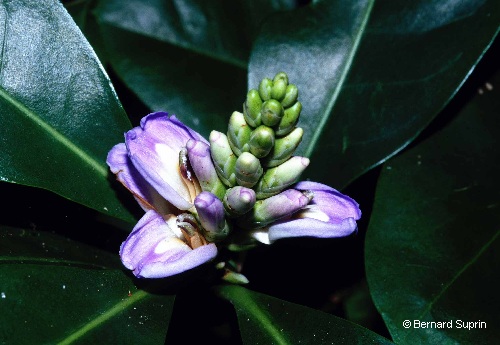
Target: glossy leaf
pixel 223 30
pixel 432 244
pixel 184 57
pixel 267 320
pixel 58 291
pixel 59 112
pixel 371 74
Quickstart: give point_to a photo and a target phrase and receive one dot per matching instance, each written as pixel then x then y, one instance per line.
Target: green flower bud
pixel 238 133
pixel 278 90
pixel 283 148
pixel 272 112
pixel 291 95
pixel 223 157
pixel 281 76
pixel 238 200
pixel 235 278
pixel 277 179
pixel 261 141
pixel 248 170
pixel 289 120
pixel 265 87
pixel 251 108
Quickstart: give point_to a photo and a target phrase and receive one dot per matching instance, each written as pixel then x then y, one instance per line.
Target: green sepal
pixel 248 170
pixel 261 141
pixel 272 112
pixel 265 89
pixel 278 178
pixel 291 95
pixel 223 157
pixel 217 236
pixel 252 107
pixel 238 133
pixel 283 148
pixel 289 119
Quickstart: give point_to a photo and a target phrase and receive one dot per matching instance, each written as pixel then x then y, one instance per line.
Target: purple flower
pixel 328 214
pixel 149 164
pixel 155 248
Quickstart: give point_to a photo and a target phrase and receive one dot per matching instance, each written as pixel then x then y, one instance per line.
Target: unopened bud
pixel 283 148
pixel 279 178
pixel 251 108
pixel 278 90
pixel 203 167
pixel 235 278
pixel 211 214
pixel 272 112
pixel 248 170
pixel 239 200
pixel 238 133
pixel 289 120
pixel 261 141
pixel 274 208
pixel 281 76
pixel 223 157
pixel 265 88
pixel 291 95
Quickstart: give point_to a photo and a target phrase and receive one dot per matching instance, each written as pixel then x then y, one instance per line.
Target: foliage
pixel 391 115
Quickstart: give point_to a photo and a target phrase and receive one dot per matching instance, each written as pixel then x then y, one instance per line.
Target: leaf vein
pixel 54 133
pixel 456 276
pixel 343 77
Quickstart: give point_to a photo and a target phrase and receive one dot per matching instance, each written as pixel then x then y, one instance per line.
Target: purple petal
pixel 153 250
pixel 154 150
pixel 120 164
pixel 329 214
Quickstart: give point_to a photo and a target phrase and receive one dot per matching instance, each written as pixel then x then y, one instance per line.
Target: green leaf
pixel 185 57
pixel 58 291
pixel 222 30
pixel 432 244
pixel 60 115
pixel 267 320
pixel 371 74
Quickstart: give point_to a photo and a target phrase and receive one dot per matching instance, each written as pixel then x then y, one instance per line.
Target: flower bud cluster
pixel 255 161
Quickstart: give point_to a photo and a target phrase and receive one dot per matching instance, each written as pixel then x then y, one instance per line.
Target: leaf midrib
pixel 64 141
pixel 103 317
pixel 336 92
pixel 454 279
pixel 250 306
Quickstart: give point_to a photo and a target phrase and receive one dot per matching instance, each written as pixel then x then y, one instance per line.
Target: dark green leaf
pixel 268 320
pixel 184 57
pixel 223 30
pixel 371 74
pixel 82 13
pixel 202 92
pixel 60 115
pixel 432 245
pixel 58 291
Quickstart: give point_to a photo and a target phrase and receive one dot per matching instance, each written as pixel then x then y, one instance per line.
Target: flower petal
pixel 154 150
pixel 329 214
pixel 153 250
pixel 121 165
